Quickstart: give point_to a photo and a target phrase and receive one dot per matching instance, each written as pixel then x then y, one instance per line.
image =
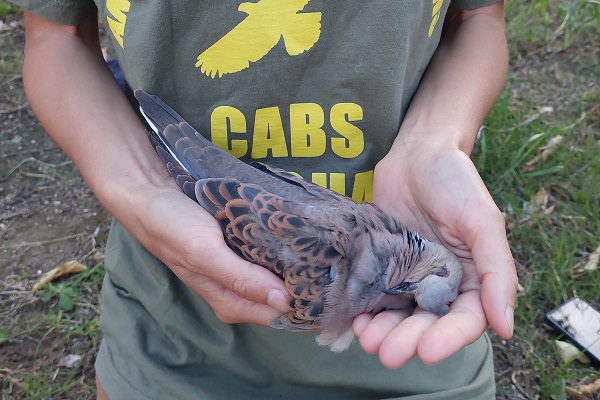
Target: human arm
pixel 428 181
pixel 78 102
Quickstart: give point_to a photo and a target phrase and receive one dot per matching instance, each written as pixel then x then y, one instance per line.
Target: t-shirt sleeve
pixel 471 4
pixel 66 12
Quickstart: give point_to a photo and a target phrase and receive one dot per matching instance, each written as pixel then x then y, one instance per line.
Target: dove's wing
pixel 268 216
pixel 247 42
pixel 262 228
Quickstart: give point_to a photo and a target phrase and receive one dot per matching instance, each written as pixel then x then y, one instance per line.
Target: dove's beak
pixel 403 288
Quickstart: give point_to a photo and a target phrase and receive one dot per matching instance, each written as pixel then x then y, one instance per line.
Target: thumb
pixel 248 281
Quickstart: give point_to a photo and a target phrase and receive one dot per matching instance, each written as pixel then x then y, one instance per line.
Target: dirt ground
pixel 47 216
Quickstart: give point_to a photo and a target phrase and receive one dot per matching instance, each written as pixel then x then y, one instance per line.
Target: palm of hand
pixel 440 194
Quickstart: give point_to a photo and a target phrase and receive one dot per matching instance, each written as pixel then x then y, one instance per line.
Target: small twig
pixel 23 161
pixel 41 340
pixel 91 307
pixel 32 159
pixel 40 242
pixel 92 245
pixel 15 213
pixel 543 110
pixel 36 175
pixel 513 379
pixel 31 338
pixel 14 78
pixel 557 32
pixel 15 292
pixel 12 110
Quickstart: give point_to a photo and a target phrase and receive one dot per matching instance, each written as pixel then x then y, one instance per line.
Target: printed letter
pixel 307 136
pixel 353 142
pixel 223 121
pixel 268 134
pixel 363 187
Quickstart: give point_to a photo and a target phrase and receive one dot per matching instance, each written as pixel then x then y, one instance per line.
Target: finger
pixel 497 273
pixel 378 328
pixel 248 281
pixel 463 325
pixel 230 308
pixel 360 322
pixel 197 245
pixel 401 344
pixel 255 283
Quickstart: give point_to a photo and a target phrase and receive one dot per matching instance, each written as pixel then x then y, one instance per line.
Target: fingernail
pixel 510 318
pixel 277 300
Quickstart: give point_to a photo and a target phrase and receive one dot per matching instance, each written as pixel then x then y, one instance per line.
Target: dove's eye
pixel 442 272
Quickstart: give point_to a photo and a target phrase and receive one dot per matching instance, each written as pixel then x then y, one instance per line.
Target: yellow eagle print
pixel 267 22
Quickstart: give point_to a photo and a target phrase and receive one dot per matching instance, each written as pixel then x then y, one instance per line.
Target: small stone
pixel 69 361
pixel 16 140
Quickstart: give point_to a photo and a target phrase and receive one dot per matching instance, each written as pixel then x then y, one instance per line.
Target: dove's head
pixel 433 277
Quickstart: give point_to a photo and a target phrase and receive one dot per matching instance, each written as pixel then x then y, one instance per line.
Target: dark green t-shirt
pixel 316 87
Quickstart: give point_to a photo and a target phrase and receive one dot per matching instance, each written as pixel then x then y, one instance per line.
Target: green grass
pixel 69 319
pixel 548 240
pixel 551 25
pixel 7 8
pixel 11 59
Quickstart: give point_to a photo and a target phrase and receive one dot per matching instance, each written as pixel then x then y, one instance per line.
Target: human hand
pixel 88 116
pixel 437 192
pixel 190 242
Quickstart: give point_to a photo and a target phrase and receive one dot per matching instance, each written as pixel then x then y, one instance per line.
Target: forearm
pixel 461 83
pixel 78 102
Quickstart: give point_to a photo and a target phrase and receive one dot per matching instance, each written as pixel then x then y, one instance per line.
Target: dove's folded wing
pixel 261 227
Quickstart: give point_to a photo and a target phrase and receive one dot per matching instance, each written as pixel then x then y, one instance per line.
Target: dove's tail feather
pixel 155 111
pixel 163 121
pixel 171 137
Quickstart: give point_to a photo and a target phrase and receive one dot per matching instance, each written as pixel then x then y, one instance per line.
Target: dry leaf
pixel 591 388
pixel 584 391
pixel 545 152
pixel 70 267
pixel 559 74
pixel 575 394
pixel 541 199
pixel 592 263
pixel 549 210
pixel 569 352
